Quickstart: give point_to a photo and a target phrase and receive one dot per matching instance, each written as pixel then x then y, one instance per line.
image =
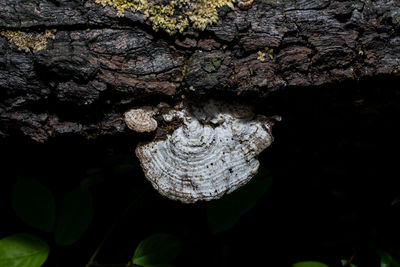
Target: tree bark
pixel 97 65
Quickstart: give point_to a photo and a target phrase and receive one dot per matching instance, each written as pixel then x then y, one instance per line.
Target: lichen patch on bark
pixel 27 41
pixel 174 16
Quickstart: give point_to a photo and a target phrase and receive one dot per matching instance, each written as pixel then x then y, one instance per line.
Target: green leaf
pixel 309 264
pixel 94 176
pixel 396 200
pixel 344 262
pixel 75 216
pixel 386 260
pixel 34 204
pixel 157 250
pixel 23 250
pixel 225 212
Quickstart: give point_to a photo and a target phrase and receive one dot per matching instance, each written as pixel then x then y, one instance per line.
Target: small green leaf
pixel 157 251
pixel 310 264
pixel 23 250
pixel 75 216
pixel 386 260
pixel 34 204
pixel 344 262
pixel 225 212
pixel 396 200
pixel 94 176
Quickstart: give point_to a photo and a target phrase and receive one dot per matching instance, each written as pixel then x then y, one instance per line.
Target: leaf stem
pixel 91 262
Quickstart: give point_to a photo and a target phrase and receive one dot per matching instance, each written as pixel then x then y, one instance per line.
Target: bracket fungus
pixel 141 120
pixel 212 152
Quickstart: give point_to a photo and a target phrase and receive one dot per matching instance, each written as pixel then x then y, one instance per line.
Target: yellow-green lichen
pixel 174 15
pixel 395 69
pixel 270 52
pixel 184 68
pixel 261 56
pixel 28 41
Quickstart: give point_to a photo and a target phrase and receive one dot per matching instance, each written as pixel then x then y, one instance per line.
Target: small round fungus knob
pixel 141 119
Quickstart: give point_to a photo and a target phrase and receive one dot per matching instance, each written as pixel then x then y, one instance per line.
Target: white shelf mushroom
pixel 212 153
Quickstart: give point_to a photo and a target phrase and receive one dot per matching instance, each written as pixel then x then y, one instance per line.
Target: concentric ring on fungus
pixel 212 153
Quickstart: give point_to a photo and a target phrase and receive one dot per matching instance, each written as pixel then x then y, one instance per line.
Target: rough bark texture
pixel 99 65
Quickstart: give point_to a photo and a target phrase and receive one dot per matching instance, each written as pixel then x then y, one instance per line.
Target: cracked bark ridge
pixel 99 65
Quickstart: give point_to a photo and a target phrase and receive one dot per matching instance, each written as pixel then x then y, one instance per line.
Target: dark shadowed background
pixel 328 190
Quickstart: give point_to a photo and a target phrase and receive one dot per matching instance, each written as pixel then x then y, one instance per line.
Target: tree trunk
pixel 74 66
